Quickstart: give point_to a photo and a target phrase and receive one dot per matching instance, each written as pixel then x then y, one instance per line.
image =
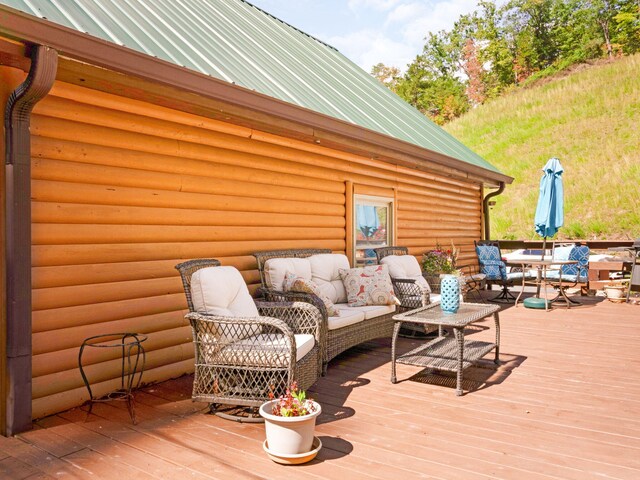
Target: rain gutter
pixel 17 119
pixel 485 210
pixel 327 130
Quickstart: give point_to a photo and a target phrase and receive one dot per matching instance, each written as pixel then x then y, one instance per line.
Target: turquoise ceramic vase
pixel 450 294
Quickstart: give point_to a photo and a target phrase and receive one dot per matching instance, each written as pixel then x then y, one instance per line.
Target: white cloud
pixel 369 47
pixel 355 5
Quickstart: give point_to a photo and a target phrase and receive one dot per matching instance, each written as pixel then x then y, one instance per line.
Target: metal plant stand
pixel 133 360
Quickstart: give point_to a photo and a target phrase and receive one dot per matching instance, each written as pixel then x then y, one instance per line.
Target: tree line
pixel 497 48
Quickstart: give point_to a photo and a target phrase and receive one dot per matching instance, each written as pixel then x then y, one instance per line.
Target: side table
pixel 133 359
pixel 453 354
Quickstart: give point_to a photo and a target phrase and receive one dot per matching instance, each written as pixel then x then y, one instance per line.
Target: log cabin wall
pixel 124 190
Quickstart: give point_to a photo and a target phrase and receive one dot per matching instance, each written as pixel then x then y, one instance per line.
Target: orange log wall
pixel 124 190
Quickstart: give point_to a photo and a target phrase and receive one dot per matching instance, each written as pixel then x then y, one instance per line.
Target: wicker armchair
pixel 334 341
pixel 244 349
pixel 412 294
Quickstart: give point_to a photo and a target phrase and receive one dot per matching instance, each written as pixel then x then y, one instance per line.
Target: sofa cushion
pixel 325 274
pixel 346 318
pixel 370 311
pixel 293 283
pixel 276 268
pixel 368 286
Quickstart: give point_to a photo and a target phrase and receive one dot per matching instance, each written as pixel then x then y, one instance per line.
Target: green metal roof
pixel 239 43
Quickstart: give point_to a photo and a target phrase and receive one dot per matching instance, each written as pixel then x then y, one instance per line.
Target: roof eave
pixel 325 129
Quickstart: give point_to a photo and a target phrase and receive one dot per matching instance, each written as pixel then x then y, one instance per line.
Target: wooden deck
pixel 565 404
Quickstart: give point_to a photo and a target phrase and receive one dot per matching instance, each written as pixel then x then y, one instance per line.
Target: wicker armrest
pixel 410 294
pixel 279 296
pixel 302 317
pixel 236 341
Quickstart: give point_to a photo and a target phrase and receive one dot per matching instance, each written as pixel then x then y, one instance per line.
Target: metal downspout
pixel 44 64
pixel 485 208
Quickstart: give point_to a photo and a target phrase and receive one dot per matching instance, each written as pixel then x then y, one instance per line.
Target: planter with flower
pixel 289 423
pixel 439 262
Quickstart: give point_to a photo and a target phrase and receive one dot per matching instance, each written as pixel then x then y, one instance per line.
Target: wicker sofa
pixel 353 326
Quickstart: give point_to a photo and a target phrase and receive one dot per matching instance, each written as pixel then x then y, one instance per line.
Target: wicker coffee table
pixel 449 353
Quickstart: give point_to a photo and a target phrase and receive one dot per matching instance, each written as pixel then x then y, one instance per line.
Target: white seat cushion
pixel 346 318
pixel 266 349
pixel 325 274
pixel 370 311
pixel 276 268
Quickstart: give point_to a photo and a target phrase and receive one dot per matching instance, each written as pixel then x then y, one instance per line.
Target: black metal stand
pixel 133 359
pixel 504 296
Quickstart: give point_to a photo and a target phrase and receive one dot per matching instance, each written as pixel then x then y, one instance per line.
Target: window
pixel 373 227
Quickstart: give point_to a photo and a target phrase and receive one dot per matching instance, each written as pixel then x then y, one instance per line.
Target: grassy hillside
pixel 590 120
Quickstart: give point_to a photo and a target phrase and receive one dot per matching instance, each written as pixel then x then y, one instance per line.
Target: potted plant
pixel 615 292
pixel 290 422
pixel 439 262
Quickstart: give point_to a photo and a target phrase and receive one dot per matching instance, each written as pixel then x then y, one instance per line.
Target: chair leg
pixel 236 413
pixel 504 296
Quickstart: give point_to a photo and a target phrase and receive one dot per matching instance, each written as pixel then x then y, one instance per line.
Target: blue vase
pixel 450 294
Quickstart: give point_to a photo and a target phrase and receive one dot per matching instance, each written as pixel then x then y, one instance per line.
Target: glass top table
pixel 448 353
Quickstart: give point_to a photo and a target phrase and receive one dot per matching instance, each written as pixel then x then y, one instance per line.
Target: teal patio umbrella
pixel 550 210
pixel 368 221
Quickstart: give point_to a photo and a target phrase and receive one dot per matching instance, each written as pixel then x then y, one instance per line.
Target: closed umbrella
pixel 550 210
pixel 368 221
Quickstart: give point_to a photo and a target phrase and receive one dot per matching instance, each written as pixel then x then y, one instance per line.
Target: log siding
pixel 123 190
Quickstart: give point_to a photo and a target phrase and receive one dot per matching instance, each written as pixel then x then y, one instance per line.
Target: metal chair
pixel 564 277
pixel 245 350
pixel 495 269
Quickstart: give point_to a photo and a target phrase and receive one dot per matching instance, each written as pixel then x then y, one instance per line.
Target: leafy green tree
pixel 388 76
pixel 627 26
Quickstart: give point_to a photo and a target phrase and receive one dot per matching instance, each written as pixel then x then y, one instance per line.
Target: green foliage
pixel 588 119
pixel 497 48
pixel 293 403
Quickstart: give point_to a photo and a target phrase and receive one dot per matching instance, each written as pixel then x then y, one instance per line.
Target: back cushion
pixel 562 253
pixel 402 266
pixel 276 268
pixel 406 266
pixel 325 274
pixel 222 291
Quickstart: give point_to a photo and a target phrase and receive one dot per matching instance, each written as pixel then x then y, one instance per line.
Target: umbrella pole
pixel 544 247
pixel 539 272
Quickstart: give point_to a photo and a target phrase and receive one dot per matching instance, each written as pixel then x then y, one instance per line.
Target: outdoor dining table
pixel 541 281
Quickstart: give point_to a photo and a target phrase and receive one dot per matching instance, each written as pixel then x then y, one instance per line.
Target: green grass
pixel 590 120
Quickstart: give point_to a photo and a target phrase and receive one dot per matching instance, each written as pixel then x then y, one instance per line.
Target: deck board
pixel 563 404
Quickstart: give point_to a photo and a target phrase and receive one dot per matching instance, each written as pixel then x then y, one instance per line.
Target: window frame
pixel 375 201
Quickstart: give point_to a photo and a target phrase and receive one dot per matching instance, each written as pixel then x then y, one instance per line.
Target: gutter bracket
pixel 17 119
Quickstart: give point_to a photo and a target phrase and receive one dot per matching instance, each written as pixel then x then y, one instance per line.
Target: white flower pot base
pixel 294 458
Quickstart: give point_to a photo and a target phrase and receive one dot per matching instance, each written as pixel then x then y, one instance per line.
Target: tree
pixel 388 76
pixel 475 90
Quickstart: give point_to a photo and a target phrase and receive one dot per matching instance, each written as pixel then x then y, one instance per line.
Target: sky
pixel 370 31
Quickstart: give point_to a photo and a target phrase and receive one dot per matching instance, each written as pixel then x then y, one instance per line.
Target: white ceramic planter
pixel 615 293
pixel 289 435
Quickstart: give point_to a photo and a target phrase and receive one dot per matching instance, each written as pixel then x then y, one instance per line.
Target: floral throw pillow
pixel 293 283
pixel 368 286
